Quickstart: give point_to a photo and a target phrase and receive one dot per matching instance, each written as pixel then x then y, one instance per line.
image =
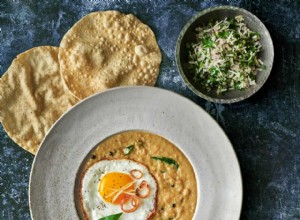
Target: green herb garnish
pixel 167 160
pixel 128 150
pixel 224 56
pixel 112 217
pixel 207 42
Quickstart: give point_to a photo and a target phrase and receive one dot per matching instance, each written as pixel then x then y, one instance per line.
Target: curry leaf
pixel 128 150
pixel 167 160
pixel 112 217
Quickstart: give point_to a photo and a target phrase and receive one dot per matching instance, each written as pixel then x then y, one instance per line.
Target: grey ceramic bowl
pixel 187 35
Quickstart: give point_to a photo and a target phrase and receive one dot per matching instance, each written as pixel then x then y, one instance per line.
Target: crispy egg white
pixel 106 176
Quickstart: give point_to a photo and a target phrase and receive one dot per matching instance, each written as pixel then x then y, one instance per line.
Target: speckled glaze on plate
pixel 69 141
pixel 187 35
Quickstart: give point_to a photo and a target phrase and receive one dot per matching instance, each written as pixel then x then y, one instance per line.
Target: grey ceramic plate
pixel 187 35
pixel 53 174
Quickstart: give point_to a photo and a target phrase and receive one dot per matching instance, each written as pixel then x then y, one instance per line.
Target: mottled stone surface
pixel 264 130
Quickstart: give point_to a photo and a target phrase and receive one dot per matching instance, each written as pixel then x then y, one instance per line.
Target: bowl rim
pixel 179 66
pixel 120 90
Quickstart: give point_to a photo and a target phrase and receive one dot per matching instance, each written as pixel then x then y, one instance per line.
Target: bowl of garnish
pixel 224 54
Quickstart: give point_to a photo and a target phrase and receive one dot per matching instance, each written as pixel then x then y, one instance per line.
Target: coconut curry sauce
pixel 177 188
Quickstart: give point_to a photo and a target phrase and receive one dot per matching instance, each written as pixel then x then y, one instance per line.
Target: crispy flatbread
pixel 108 49
pixel 33 96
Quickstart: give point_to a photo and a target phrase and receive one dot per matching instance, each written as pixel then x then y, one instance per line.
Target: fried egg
pixel 109 187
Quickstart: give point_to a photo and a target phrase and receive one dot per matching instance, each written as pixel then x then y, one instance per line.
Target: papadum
pixel 33 96
pixel 107 49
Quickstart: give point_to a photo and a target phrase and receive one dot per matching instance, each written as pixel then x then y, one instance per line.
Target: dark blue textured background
pixel 264 129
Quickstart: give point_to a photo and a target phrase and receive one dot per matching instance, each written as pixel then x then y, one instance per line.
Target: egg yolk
pixel 114 183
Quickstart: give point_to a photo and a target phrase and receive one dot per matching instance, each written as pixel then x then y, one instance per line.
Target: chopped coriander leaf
pixel 207 42
pixel 225 56
pixel 224 34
